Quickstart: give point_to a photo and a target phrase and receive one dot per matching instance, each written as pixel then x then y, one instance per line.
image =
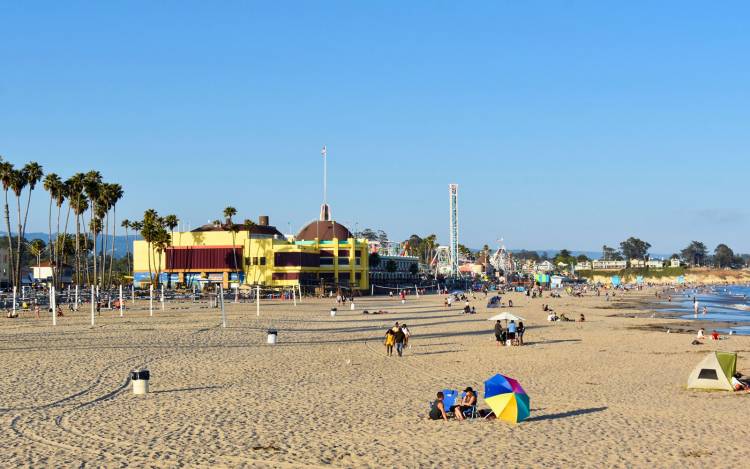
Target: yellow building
pixel 324 253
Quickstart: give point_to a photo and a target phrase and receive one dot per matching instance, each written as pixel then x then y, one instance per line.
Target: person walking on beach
pixel 390 341
pixel 399 338
pixel 520 330
pixel 407 335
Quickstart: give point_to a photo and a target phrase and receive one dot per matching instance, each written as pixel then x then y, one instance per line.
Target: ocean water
pixel 729 303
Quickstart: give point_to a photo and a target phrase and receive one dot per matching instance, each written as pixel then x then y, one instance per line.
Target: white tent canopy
pixel 505 316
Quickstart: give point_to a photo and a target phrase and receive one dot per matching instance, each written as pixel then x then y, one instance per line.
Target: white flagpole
pixel 162 297
pixel 151 299
pixel 324 152
pixel 223 312
pixel 121 305
pixel 52 304
pixel 76 303
pixel 15 289
pixel 257 300
pixel 93 307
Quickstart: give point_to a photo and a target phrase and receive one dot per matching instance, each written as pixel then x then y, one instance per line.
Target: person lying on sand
pixel 740 384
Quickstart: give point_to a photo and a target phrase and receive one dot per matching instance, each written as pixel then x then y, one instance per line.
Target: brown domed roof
pixel 324 231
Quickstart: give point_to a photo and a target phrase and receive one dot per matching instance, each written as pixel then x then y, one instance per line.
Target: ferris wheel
pixel 502 260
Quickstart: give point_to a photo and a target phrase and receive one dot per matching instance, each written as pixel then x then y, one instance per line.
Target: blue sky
pixel 566 124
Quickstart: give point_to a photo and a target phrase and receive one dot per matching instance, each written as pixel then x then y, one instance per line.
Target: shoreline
pixel 653 308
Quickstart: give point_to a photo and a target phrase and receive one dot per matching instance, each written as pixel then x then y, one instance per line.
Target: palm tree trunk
pixel 18 240
pixel 127 250
pixel 93 235
pixel 49 240
pixel 12 266
pixel 105 239
pixel 85 258
pixel 114 233
pixel 150 271
pixel 65 238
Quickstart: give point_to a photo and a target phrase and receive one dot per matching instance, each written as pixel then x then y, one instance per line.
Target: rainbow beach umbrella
pixel 507 399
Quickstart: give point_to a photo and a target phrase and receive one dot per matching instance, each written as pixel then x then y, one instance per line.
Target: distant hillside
pixel 120 241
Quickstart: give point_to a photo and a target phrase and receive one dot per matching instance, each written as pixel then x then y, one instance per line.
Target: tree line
pixel 83 200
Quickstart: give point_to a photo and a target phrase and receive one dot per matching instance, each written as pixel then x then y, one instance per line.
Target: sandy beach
pixel 605 393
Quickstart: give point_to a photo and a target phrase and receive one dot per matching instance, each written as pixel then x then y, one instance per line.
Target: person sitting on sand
pixel 467 402
pixel 700 335
pixel 582 318
pixel 714 335
pixel 437 411
pixel 740 384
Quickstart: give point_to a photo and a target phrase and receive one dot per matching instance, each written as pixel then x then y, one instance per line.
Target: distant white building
pixel 609 265
pixel 637 263
pixel 585 265
pixel 675 263
pixel 545 266
pixel 43 273
pixel 655 264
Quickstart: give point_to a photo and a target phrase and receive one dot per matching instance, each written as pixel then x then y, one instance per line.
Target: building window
pixel 262 261
pixel 255 261
pixel 343 261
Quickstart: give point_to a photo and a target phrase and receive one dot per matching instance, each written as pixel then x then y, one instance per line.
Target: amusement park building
pixel 324 253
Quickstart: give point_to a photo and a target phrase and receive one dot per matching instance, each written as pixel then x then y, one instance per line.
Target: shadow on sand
pixel 202 388
pixel 563 415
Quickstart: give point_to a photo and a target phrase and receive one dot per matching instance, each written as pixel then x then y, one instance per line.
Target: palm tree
pixel 149 233
pixel 78 203
pixel 34 173
pixel 18 182
pixel 37 247
pixel 126 224
pixel 92 186
pixel 62 194
pixel 6 175
pixel 52 184
pixel 229 212
pixel 171 222
pixel 161 241
pixel 116 193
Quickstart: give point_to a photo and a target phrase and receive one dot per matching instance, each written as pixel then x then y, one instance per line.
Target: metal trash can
pixel 333 312
pixel 140 380
pixel 272 334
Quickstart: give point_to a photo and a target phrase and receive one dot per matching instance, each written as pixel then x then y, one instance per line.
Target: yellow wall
pixel 263 247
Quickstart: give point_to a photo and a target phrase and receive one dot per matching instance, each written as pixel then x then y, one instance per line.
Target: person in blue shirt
pixel 512 332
